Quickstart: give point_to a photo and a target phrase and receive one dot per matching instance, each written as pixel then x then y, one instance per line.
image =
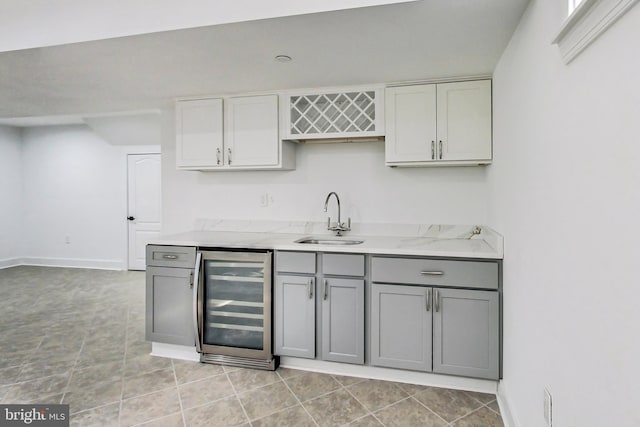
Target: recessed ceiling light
pixel 283 58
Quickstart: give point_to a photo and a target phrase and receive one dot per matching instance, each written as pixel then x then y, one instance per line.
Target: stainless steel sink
pixel 327 241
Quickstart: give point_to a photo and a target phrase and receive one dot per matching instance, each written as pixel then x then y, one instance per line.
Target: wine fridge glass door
pixel 237 303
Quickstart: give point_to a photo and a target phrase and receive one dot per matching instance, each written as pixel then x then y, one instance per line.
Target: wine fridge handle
pixel 196 301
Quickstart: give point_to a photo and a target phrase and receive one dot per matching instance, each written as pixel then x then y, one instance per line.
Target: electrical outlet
pixel 67 239
pixel 547 407
pixel 266 199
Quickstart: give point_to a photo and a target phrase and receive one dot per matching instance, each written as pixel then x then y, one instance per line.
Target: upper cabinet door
pixel 410 113
pixel 251 131
pixel 199 134
pixel 464 121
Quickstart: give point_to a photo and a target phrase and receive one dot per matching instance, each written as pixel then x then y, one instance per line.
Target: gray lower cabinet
pixel 169 294
pixel 400 327
pixel 343 320
pixel 466 333
pixel 169 305
pixel 326 309
pixel 295 316
pixel 460 324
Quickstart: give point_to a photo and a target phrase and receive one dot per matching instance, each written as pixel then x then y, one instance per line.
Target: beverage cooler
pixel 232 308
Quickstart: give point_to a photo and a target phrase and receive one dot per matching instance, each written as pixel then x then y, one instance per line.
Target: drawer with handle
pixel 424 271
pixel 171 256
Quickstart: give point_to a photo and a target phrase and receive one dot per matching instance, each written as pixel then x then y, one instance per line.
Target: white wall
pixel 75 186
pixel 565 192
pixel 369 191
pixel 11 210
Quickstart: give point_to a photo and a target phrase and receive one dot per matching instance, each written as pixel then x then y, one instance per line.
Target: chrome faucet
pixel 339 226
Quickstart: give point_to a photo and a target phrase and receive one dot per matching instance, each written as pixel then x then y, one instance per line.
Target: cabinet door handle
pixel 440 149
pixel 229 151
pixel 432 273
pixel 197 302
pixel 428 299
pixel 433 150
pixel 218 156
pixel 170 256
pixel 324 297
pixel 310 288
pixel 436 300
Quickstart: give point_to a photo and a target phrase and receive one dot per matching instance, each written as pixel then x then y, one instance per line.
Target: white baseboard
pixel 173 351
pixel 397 375
pixel 507 415
pixel 11 262
pixel 100 264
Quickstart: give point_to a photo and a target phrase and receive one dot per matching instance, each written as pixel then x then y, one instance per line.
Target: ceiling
pixel 421 40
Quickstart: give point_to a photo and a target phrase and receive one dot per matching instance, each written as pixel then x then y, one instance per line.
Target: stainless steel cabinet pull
pixel 428 299
pixel 197 302
pixel 433 150
pixel 170 256
pixel 229 151
pixel 432 273
pixel 217 155
pixel 325 289
pixel 440 149
pixel 436 300
pixel 310 288
pixel 191 280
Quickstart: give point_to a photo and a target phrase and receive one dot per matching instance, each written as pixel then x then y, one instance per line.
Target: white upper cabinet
pixel 199 133
pixel 444 124
pixel 411 133
pixel 464 120
pixel 251 131
pixel 231 133
pixel 342 113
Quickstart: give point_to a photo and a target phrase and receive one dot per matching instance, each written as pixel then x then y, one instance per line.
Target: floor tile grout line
pixel 297 398
pixel 491 409
pixel 327 393
pixel 124 363
pixel 468 393
pixel 154 419
pixel 196 380
pixel 388 406
pixel 235 392
pixel 344 385
pixel 71 371
pixel 95 407
pixel 200 405
pixel 175 380
pixel 430 410
pixel 255 388
pixel 469 413
pixel 370 412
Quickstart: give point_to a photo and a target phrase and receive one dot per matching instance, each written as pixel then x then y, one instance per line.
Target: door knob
pixel 130 218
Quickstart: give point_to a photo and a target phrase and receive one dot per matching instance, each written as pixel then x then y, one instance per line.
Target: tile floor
pixel 77 336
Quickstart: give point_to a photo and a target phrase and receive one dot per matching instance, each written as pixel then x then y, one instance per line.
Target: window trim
pixel 585 24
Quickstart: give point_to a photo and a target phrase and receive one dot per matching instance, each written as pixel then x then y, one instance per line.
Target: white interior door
pixel 144 206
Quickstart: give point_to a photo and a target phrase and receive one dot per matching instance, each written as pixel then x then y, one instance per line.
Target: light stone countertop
pixel 456 241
